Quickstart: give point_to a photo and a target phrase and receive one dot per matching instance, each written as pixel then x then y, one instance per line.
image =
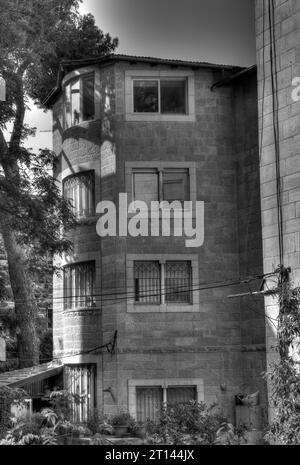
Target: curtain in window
pixel 79 380
pixel 79 285
pixel 147 282
pixel 178 282
pixel 79 190
pixel 181 395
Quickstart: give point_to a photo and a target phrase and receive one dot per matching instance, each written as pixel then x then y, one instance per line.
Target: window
pixel 169 282
pixel 165 96
pixel 157 185
pixel 79 285
pixel 79 100
pixel 151 399
pixel 79 380
pixel 79 190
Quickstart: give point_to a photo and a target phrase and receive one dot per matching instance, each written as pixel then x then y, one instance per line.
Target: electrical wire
pixel 125 295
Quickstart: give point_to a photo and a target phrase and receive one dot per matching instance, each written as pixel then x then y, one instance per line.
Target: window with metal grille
pixel 79 190
pixel 147 282
pixel 79 100
pixel 79 285
pixel 178 282
pixel 150 400
pixel 80 380
pixel 169 282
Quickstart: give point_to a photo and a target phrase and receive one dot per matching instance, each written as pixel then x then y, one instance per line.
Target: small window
pixel 79 190
pixel 79 100
pixel 173 96
pixel 165 96
pixel 175 185
pixel 79 285
pixel 178 282
pixel 150 400
pixel 146 186
pixel 165 185
pixel 145 96
pixel 156 283
pixel 147 282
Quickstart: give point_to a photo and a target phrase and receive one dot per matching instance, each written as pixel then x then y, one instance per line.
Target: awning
pixel 24 376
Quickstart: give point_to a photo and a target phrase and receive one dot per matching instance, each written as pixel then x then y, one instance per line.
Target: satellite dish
pixel 2 89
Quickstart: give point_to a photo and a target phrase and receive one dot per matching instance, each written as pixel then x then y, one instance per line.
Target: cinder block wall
pixel 209 344
pixel 287 42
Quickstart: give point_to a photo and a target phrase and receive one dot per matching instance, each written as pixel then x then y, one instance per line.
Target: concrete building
pixel 159 130
pixel 278 58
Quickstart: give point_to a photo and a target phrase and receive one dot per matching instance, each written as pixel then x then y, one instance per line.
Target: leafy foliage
pixel 35 35
pixel 191 423
pixel 8 397
pixel 284 374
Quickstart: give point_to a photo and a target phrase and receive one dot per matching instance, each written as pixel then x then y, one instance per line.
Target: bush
pixel 191 423
pixel 98 423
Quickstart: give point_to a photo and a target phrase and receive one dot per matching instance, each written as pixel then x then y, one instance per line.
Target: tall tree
pixel 35 35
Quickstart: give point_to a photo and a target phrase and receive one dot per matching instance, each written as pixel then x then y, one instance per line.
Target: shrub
pixel 191 423
pixel 121 419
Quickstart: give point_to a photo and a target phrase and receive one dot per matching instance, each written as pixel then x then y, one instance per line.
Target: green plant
pixel 284 375
pixel 8 397
pixel 190 423
pixel 98 423
pixel 121 419
pixel 30 431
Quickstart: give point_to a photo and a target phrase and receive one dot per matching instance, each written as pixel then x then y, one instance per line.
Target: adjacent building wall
pixel 287 60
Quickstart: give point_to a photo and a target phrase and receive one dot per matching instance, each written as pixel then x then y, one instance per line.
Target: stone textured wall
pixel 217 343
pixel 287 34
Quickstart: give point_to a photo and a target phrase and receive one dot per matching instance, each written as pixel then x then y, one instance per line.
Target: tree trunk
pixel 25 305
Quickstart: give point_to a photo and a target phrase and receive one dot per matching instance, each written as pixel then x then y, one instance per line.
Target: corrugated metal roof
pixel 68 65
pixel 24 376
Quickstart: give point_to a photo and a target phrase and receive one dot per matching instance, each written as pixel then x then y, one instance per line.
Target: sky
pixel 217 31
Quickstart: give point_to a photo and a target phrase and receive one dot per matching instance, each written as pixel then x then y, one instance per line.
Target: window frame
pixel 70 82
pixel 163 306
pixel 67 298
pixel 92 194
pixel 131 166
pixel 160 172
pixel 198 383
pixel 158 80
pixel 152 75
pixel 163 292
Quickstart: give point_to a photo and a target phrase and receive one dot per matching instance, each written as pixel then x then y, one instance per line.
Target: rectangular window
pixel 150 185
pixel 165 96
pixel 79 286
pixel 145 96
pixel 150 400
pixel 79 380
pixel 79 190
pixel 178 282
pixel 147 282
pixel 168 282
pixel 80 100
